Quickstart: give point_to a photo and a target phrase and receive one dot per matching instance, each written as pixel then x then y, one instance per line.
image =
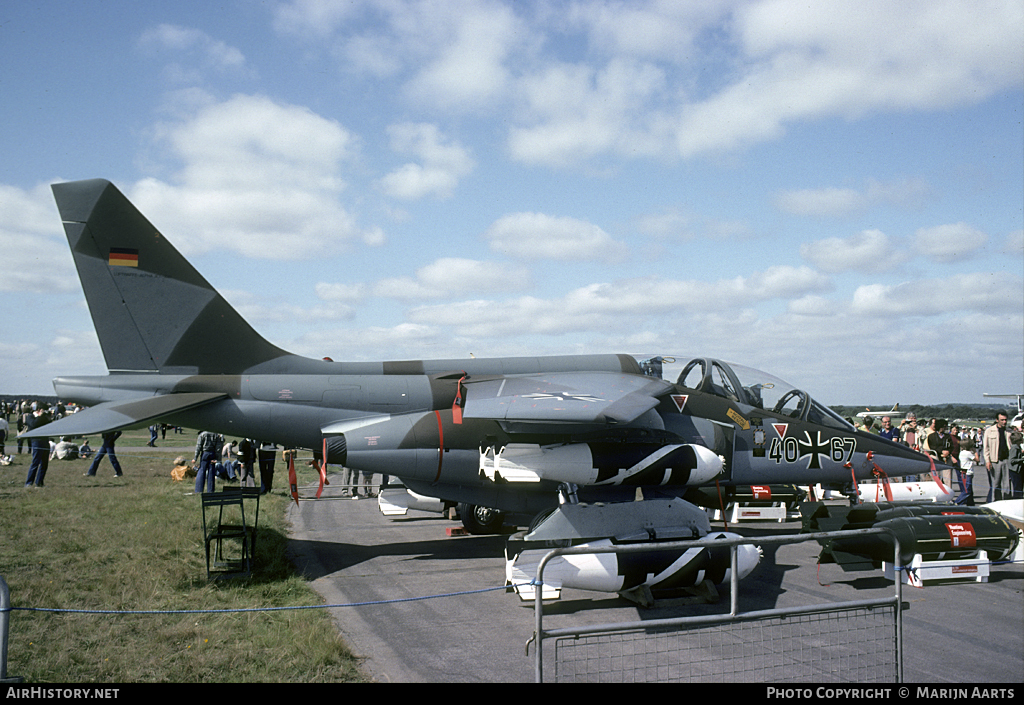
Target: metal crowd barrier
pixel 648 627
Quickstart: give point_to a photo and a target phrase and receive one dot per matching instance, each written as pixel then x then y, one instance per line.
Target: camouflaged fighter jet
pixel 505 435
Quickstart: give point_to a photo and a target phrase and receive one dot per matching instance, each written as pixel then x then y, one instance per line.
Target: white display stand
pixel 920 570
pixel 741 511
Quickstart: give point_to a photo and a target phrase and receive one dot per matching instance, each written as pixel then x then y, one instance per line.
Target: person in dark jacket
pixel 247 459
pixel 208 447
pixel 266 453
pixel 40 447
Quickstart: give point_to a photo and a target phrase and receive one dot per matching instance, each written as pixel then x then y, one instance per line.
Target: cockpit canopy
pixel 754 388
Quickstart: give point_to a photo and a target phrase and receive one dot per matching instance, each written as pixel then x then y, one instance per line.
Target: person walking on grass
pixel 106 449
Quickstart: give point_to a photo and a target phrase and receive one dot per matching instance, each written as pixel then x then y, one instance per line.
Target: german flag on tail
pixel 123 257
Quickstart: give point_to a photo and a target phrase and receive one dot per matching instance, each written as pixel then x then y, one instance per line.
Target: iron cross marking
pixel 561 396
pixel 814 449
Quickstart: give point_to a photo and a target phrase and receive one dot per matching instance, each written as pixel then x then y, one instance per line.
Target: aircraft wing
pixel 115 415
pixel 564 398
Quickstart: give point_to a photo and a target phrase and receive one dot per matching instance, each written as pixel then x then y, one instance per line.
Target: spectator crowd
pixel 998 448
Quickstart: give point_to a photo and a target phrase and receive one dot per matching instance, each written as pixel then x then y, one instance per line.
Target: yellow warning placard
pixel 738 418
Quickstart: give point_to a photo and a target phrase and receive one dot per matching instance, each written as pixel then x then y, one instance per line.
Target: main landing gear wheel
pixel 481 520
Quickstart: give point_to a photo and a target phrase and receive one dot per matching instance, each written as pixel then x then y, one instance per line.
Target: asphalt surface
pixel 954 632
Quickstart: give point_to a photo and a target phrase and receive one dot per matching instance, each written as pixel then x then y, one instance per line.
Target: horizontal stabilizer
pixel 116 415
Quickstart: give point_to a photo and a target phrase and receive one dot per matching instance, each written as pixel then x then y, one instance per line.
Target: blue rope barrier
pixel 268 609
pixel 534 583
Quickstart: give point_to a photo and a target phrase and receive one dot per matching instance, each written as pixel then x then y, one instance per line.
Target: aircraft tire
pixel 540 517
pixel 480 520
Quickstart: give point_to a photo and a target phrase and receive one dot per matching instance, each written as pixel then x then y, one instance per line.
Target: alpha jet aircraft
pixel 893 412
pixel 1019 418
pixel 520 434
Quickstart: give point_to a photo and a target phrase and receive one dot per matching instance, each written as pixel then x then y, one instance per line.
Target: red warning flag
pixel 458 403
pixel 935 476
pixel 323 471
pixel 292 481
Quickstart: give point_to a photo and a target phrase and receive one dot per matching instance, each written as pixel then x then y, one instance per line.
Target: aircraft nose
pixel 896 459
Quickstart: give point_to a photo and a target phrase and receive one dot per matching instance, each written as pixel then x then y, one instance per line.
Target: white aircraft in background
pixel 1019 418
pixel 894 413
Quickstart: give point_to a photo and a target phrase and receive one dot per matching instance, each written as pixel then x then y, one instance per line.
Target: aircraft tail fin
pixel 152 310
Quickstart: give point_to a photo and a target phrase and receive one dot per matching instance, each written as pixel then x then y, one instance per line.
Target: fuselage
pixel 401 419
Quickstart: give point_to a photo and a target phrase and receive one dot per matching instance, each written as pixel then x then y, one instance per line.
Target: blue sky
pixel 831 192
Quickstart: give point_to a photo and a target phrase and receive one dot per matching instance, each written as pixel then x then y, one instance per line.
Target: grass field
pixel 136 543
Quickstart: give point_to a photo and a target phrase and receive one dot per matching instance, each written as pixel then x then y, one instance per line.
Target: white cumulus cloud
pixel 257 177
pixel 195 50
pixel 36 256
pixel 991 293
pixel 949 243
pixel 540 236
pixel 441 163
pixel 450 276
pixel 834 201
pixel 867 251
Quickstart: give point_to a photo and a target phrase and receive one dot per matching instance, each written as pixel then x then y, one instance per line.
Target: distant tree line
pixel 980 412
pixel 49 399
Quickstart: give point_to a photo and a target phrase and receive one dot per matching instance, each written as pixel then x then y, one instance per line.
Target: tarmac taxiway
pixel 955 632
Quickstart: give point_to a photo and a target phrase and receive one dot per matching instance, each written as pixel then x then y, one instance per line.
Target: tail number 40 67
pixel 789 450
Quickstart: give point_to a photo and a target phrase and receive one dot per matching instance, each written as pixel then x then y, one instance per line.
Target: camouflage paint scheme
pixel 178 353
